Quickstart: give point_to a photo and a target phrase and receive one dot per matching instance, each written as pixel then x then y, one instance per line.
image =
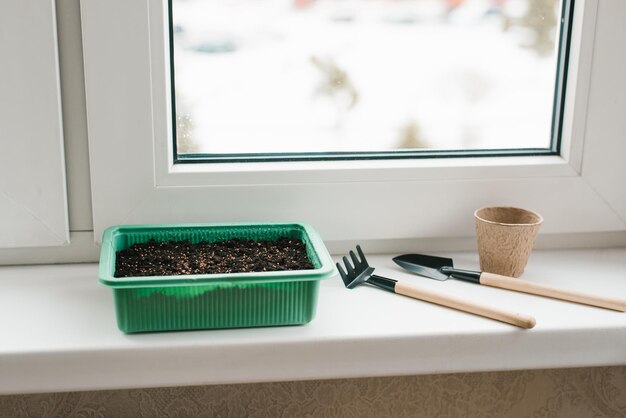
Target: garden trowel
pixel 441 268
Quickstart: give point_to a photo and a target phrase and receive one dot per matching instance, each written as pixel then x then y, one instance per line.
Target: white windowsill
pixel 58 331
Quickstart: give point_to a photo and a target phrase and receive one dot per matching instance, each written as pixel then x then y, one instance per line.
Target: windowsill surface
pixel 58 331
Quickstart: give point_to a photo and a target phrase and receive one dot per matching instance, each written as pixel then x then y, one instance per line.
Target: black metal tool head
pixel 356 273
pixel 424 265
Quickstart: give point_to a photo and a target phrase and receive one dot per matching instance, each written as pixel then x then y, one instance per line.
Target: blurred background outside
pixel 267 76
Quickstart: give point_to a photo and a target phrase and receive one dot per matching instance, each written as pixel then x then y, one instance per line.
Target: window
pixel 320 79
pixel 33 206
pixel 135 180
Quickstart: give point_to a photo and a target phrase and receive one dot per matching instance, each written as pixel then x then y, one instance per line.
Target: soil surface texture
pixel 233 256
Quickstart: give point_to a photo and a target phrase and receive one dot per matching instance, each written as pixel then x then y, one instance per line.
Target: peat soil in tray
pixel 236 255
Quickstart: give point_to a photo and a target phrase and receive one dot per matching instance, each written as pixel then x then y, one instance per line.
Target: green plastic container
pixel 210 301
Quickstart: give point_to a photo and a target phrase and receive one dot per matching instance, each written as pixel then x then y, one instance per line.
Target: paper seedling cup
pixel 505 237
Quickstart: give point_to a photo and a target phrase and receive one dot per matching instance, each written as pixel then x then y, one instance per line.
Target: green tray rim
pixel 106 267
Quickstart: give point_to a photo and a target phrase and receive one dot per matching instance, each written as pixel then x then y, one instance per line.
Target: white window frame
pixel 135 181
pixel 33 199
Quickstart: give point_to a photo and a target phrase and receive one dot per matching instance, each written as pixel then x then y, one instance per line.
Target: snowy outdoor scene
pixel 271 76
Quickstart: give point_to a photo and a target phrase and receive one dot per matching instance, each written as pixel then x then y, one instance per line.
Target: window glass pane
pixel 328 76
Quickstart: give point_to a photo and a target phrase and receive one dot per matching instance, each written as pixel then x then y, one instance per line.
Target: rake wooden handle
pixel 505 282
pixel 520 320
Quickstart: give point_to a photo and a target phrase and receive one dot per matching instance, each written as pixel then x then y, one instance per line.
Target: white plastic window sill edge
pixel 62 334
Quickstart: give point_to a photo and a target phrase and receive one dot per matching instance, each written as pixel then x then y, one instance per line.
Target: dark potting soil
pixel 174 258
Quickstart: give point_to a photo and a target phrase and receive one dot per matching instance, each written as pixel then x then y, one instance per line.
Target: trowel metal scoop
pixel 441 268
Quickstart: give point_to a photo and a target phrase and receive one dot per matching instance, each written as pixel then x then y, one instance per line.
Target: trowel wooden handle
pixel 520 320
pixel 505 282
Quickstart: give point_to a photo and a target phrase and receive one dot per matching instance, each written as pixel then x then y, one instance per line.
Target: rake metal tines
pixel 357 272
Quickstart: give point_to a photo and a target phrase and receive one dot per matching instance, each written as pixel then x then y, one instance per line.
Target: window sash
pixel 134 179
pixel 33 201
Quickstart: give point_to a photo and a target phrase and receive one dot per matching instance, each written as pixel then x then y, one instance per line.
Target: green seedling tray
pixel 211 301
